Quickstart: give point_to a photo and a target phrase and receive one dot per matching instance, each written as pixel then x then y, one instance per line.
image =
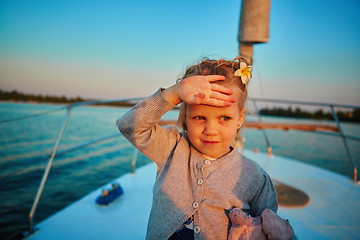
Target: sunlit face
pixel 212 130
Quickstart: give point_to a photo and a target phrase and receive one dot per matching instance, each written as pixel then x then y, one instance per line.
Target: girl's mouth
pixel 210 142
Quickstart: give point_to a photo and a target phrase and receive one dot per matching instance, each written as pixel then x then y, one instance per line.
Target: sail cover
pixel 254 25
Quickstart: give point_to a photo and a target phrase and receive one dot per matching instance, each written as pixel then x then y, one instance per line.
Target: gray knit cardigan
pixel 189 184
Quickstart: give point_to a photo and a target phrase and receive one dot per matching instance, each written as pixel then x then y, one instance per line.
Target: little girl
pixel 200 176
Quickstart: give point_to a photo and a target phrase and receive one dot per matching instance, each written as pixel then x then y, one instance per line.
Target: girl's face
pixel 212 130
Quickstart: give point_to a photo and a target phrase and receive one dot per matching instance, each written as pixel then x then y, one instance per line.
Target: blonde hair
pixel 215 67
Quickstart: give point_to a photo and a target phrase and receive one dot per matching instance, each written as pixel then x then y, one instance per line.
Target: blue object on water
pixel 109 196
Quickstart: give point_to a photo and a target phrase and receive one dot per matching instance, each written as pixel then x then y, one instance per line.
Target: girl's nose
pixel 211 128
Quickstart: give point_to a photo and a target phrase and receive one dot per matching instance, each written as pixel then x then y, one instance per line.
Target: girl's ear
pixel 241 118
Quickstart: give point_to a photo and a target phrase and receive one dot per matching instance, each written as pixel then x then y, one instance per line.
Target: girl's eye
pixel 199 118
pixel 225 118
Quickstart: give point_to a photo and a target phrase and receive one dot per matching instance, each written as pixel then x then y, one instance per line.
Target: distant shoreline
pixel 16 97
pixel 349 116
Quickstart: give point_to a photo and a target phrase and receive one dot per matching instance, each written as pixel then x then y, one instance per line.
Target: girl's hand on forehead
pixel 202 90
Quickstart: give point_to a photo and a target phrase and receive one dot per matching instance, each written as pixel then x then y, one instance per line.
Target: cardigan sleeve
pixel 265 197
pixel 140 126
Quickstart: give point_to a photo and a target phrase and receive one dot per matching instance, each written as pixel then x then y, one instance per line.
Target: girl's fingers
pixel 204 90
pixel 218 103
pixel 221 89
pixel 214 78
pixel 222 97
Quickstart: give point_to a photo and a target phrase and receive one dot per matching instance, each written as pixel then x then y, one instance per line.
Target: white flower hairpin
pixel 244 72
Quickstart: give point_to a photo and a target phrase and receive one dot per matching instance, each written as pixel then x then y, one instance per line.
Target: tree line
pixel 27 97
pixel 353 116
pixel 22 97
pixel 350 116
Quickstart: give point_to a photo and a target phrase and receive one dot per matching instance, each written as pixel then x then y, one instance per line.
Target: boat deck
pixel 125 219
pixel 332 213
pixel 334 208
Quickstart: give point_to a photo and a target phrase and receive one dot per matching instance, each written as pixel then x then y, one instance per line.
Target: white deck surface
pixel 333 211
pixel 125 219
pixel 334 208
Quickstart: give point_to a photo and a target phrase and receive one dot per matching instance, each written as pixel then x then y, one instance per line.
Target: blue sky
pixel 119 49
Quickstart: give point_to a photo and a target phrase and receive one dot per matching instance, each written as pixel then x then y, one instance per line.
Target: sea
pixel 27 142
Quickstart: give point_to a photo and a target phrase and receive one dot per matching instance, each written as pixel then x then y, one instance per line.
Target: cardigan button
pixel 207 162
pixel 195 204
pixel 200 181
pixel 196 229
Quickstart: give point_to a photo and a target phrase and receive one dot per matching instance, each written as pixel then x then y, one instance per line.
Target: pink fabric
pixel 244 227
pixel 267 226
pixel 275 227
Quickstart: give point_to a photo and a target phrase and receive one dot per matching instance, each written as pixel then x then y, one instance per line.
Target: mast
pixel 254 26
